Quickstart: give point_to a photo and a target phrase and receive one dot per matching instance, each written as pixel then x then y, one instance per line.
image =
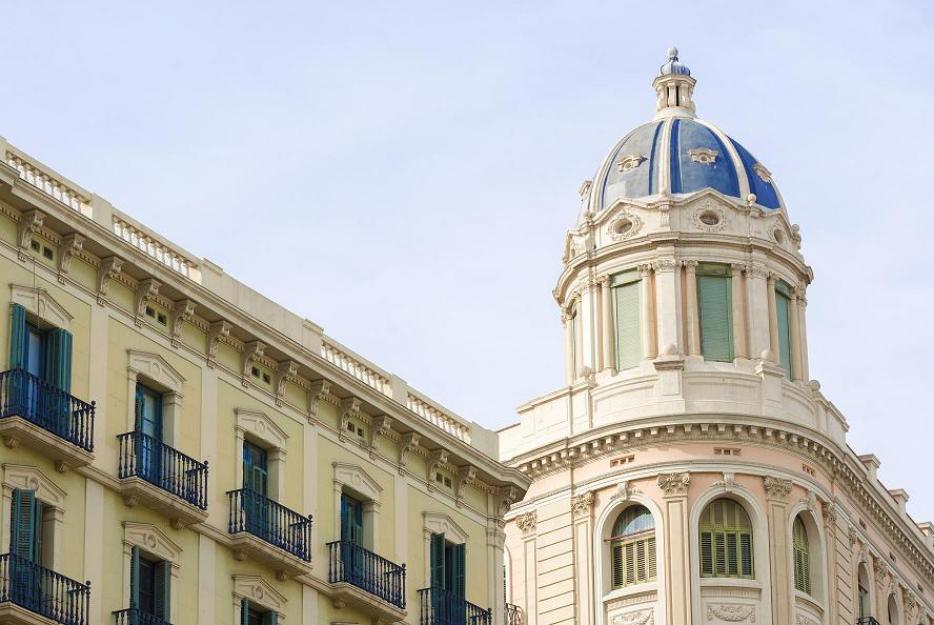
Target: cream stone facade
pixel 179 449
pixel 691 471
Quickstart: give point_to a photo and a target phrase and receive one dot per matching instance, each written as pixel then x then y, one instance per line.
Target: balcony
pixel 31 594
pixel 867 620
pixel 442 607
pixel 358 575
pixel 45 418
pixel 514 615
pixel 162 478
pixel 268 532
pixel 135 616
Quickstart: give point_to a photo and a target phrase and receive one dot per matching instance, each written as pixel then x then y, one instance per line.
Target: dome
pixel 678 154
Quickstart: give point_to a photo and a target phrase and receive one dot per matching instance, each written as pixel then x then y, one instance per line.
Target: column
pixel 773 319
pixel 829 516
pixel 678 601
pixel 739 311
pixel 206 576
pixel 530 560
pixel 400 491
pixel 777 491
pixel 93 545
pixel 649 311
pixel 609 351
pixel 795 332
pixel 216 515
pixel 692 312
pixel 582 513
pixel 568 347
pixel 757 319
pixel 802 329
pixel 105 454
pixel 495 539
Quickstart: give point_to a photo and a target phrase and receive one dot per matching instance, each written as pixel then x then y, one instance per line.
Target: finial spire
pixel 674 88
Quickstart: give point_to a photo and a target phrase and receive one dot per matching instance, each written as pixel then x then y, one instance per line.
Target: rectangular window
pixel 351 520
pixel 448 566
pixel 26 527
pixel 150 581
pixel 782 313
pixel 715 310
pixel 252 614
pixel 149 427
pixel 627 309
pixel 255 471
pixel 44 353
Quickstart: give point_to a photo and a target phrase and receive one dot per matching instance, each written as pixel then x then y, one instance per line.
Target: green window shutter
pixel 714 301
pixel 58 361
pixel 244 612
pixel 270 618
pixel 437 560
pixel 162 588
pixel 745 549
pixel 706 553
pixel 459 553
pixel 24 524
pixel 782 311
pixel 617 551
pixel 653 569
pixel 627 302
pixel 134 577
pixel 17 337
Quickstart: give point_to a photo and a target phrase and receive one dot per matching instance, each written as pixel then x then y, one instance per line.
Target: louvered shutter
pixel 58 362
pixel 628 325
pixel 17 337
pixel 706 553
pixel 629 572
pixel 782 306
pixel 437 561
pixel 270 618
pixel 24 524
pixel 618 578
pixel 653 569
pixel 161 590
pixel 719 543
pixel 134 577
pixel 244 612
pixel 716 317
pixel 745 544
pixel 459 555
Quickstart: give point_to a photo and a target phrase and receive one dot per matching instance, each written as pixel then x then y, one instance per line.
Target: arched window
pixel 725 540
pixel 802 555
pixel 893 610
pixel 633 547
pixel 862 583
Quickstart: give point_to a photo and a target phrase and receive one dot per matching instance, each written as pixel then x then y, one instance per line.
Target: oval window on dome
pixel 622 226
pixel 709 218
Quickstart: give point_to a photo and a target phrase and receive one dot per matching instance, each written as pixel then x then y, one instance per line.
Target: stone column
pixel 829 516
pixel 677 557
pixel 609 351
pixel 738 286
pixel 802 329
pixel 692 310
pixel 758 318
pixel 582 519
pixel 773 319
pixel 649 314
pixel 776 492
pixel 495 539
pixel 568 347
pixel 795 339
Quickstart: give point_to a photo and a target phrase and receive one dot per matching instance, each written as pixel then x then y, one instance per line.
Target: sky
pixel 404 173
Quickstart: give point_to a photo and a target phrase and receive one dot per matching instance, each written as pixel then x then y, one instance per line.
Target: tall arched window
pixel 862 583
pixel 633 547
pixel 802 555
pixel 893 610
pixel 725 540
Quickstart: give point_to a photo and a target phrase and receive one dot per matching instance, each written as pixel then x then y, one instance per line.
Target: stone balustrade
pixel 47 182
pixel 366 373
pixel 437 416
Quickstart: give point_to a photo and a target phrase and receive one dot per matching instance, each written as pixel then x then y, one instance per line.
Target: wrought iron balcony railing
pixel 867 620
pixel 52 409
pixel 442 607
pixel 135 616
pixel 152 460
pixel 514 615
pixel 364 569
pixel 44 592
pixel 271 521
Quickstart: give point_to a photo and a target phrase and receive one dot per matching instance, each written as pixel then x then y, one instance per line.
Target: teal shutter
pixel 161 590
pixel 782 311
pixel 714 301
pixel 24 524
pixel 58 361
pixel 627 303
pixel 437 560
pixel 134 577
pixel 17 337
pixel 459 566
pixel 244 612
pixel 270 618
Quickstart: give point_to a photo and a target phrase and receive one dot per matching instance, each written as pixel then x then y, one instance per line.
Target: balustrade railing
pixel 152 460
pixel 44 592
pixel 442 607
pixel 370 572
pixel 47 183
pixel 438 417
pixel 271 521
pixel 52 409
pixel 514 615
pixel 135 616
pixel 154 248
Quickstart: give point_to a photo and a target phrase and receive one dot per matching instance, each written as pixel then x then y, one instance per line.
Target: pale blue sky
pixel 403 173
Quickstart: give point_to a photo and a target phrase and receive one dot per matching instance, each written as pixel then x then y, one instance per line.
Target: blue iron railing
pixel 364 569
pixel 514 615
pixel 52 409
pixel 442 607
pixel 867 620
pixel 152 460
pixel 135 616
pixel 44 592
pixel 271 521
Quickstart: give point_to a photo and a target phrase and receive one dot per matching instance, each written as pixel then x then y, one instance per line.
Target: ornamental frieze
pixel 731 612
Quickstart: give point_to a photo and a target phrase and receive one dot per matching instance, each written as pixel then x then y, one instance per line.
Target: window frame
pixel 801 556
pixel 726 531
pixel 620 543
pixel 723 273
pixel 624 280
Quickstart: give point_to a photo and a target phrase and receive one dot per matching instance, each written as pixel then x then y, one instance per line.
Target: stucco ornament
pixel 582 504
pixel 803 619
pixel 629 161
pixel 704 156
pixel 526 522
pixel 674 483
pixel 640 617
pixel 776 488
pixel 709 218
pixel 732 612
pixel 624 226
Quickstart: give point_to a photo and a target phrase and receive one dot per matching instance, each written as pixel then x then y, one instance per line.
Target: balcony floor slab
pixel 16 431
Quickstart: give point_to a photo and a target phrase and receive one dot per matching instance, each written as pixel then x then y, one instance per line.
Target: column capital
pixel 690 265
pixel 756 270
pixel 737 268
pixel 662 265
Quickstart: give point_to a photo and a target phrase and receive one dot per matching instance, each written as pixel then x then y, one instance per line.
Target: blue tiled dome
pixel 682 155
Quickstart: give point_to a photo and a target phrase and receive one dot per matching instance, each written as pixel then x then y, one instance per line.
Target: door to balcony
pixel 149 424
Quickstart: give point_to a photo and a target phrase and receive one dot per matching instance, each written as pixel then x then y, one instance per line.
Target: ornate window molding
pixel 260 429
pixel 629 162
pixel 362 486
pixel 704 156
pixel 256 590
pixel 624 226
pixel 435 523
pixel 764 174
pixel 709 218
pixel 152 541
pixel 41 304
pixel 154 370
pixel 17 476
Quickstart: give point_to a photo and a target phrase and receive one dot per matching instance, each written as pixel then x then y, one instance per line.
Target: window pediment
pixel 259 425
pixel 17 476
pixel 40 303
pixel 254 588
pixel 157 369
pixel 151 539
pixel 443 524
pixel 355 477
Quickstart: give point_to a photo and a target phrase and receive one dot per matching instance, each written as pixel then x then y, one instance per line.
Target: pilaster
pixel 757 297
pixel 678 600
pixel 776 494
pixel 738 285
pixel 691 308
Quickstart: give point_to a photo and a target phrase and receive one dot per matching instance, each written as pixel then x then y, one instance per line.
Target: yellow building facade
pixel 179 449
